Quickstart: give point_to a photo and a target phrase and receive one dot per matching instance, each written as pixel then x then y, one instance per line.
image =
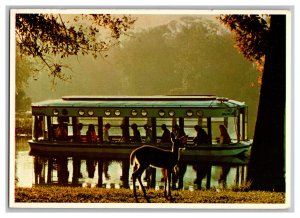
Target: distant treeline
pixel 23 124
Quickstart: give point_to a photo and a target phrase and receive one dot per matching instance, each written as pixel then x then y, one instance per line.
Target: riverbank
pixel 57 194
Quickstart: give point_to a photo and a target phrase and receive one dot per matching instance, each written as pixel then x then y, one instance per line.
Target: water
pixel 25 175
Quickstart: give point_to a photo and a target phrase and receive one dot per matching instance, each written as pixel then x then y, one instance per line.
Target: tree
pixel 49 37
pixel 255 40
pixel 23 73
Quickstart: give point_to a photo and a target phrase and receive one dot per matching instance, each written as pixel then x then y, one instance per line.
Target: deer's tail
pixel 132 156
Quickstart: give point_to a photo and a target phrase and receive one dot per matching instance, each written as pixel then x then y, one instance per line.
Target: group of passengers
pixel 202 138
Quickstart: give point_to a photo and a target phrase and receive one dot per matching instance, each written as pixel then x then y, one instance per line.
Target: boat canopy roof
pixel 140 106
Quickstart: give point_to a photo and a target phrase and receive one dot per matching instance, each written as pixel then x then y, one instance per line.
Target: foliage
pixel 24 71
pixel 100 195
pixel 251 32
pixel 194 56
pixel 22 101
pixel 49 37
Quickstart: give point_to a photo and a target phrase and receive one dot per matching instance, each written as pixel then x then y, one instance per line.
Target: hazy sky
pixel 148 21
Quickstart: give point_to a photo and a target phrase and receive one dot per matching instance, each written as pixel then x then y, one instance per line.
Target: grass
pixel 56 194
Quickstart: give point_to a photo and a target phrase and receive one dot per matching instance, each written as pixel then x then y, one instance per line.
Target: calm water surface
pixel 25 177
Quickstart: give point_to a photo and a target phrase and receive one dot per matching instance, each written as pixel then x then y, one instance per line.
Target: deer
pixel 148 155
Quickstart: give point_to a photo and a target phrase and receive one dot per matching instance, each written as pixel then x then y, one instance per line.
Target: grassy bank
pixel 100 195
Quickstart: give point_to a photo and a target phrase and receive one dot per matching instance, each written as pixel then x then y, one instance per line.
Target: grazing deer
pixel 150 155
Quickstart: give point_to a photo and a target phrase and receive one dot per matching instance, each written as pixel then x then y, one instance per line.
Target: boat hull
pixel 122 151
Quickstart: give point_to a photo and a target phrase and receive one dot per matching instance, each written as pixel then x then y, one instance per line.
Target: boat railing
pixel 115 143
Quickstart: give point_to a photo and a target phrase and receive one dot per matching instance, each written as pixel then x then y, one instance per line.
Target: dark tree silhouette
pixel 267 168
pixel 267 161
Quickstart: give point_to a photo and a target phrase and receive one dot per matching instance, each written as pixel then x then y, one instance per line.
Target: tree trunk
pixel 267 161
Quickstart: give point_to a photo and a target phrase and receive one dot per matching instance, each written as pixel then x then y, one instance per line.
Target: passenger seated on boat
pixel 202 137
pixel 224 136
pixel 78 136
pixel 180 169
pixel 136 133
pixel 148 131
pixel 177 131
pixel 61 132
pixel 148 139
pixel 106 137
pixel 91 134
pixel 125 133
pixel 166 136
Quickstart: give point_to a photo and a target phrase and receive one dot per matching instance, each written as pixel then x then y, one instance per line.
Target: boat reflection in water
pixel 202 175
pixel 60 160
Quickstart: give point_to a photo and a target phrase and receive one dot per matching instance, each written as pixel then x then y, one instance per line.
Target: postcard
pixel 150 108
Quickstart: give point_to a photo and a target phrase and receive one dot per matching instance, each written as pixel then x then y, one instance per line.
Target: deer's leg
pixel 165 180
pixel 134 175
pixel 143 188
pixel 138 174
pixel 169 172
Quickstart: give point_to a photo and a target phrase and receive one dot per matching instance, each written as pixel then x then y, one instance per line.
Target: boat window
pixel 55 112
pixel 107 112
pixel 64 123
pixel 189 113
pixel 161 113
pixel 189 124
pixel 90 112
pixel 231 125
pixel 144 113
pixel 171 113
pixel 199 113
pixel 86 121
pixel 140 122
pixel 117 112
pixel 115 131
pixel 229 122
pixel 167 121
pixel 232 128
pixel 134 112
pixel 81 112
